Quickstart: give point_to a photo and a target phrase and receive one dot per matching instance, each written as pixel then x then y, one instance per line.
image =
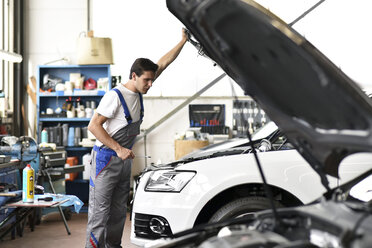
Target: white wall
pixel 53 28
pixel 145 28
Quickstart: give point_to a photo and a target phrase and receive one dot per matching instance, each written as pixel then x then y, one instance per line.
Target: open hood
pixel 325 115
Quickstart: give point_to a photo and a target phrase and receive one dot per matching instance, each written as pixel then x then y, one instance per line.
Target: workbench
pixel 20 210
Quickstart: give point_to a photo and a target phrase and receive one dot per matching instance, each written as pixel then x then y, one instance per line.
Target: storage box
pixel 184 147
pixel 71 161
pixel 94 50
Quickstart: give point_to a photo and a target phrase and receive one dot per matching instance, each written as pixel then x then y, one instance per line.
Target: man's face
pixel 144 82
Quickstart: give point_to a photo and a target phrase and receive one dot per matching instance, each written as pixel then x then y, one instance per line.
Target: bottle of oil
pixel 28 184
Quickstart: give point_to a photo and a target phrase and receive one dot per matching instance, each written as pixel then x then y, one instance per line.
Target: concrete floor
pixel 52 233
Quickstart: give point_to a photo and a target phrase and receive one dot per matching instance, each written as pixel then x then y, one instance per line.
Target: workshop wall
pixel 145 28
pixel 51 31
pixel 53 27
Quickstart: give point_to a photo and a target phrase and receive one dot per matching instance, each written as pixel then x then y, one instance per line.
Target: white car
pixel 222 184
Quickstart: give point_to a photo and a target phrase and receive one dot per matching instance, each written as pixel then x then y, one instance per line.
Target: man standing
pixel 115 125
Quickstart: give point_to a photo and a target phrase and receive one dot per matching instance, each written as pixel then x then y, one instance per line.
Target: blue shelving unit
pixel 57 99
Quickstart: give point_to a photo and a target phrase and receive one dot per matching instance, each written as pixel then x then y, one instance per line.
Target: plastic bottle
pixel 65 134
pixel 77 137
pixel 87 158
pixel 71 136
pixel 28 184
pixel 44 136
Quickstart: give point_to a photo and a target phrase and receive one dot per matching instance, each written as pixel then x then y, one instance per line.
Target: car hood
pixel 325 115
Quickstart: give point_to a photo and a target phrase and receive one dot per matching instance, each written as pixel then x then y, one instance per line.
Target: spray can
pixel 28 184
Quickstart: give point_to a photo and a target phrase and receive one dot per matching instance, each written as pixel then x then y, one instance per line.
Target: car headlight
pixel 168 180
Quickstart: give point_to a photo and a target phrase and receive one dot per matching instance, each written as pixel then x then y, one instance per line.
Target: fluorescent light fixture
pixel 11 57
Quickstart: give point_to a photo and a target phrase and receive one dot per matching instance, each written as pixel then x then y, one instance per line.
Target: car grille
pixel 142 226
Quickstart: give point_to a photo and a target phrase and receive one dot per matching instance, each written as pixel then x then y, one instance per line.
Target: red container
pixel 71 161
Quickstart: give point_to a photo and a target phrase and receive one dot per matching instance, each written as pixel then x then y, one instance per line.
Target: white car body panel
pixel 284 169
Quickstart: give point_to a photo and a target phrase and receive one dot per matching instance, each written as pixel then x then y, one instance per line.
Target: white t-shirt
pixel 110 107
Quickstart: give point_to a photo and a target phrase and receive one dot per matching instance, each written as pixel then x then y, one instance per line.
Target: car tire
pixel 242 206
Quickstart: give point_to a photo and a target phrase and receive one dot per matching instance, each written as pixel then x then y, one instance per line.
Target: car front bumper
pixel 156 217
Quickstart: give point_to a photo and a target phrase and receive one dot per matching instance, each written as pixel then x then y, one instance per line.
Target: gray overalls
pixel 110 185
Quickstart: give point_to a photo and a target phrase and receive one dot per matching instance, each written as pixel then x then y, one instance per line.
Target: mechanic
pixel 115 124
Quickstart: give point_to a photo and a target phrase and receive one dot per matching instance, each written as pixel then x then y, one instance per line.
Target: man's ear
pixel 134 76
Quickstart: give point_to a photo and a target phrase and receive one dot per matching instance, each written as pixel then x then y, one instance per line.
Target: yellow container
pixel 28 184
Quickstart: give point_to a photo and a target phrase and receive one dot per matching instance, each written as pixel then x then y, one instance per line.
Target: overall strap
pixel 142 108
pixel 126 110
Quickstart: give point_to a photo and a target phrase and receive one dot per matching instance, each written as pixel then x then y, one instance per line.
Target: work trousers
pixel 108 197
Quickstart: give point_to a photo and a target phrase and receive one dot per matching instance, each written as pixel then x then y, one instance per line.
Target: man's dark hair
pixel 142 64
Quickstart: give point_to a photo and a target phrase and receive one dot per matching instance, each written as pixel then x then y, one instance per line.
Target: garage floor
pixel 52 233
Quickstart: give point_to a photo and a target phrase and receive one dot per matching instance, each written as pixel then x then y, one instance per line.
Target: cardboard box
pixel 184 147
pixel 94 50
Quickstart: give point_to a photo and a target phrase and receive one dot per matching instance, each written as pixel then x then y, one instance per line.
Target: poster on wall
pixel 210 117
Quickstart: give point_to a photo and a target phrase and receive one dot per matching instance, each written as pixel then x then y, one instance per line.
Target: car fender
pixel 286 170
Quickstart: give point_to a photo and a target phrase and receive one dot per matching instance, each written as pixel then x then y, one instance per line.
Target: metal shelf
pixel 77 93
pixel 77 148
pixel 59 119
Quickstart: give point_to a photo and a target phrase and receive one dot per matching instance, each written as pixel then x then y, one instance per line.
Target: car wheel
pixel 242 206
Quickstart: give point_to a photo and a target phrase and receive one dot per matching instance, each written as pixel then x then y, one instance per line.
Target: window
pixel 7 21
